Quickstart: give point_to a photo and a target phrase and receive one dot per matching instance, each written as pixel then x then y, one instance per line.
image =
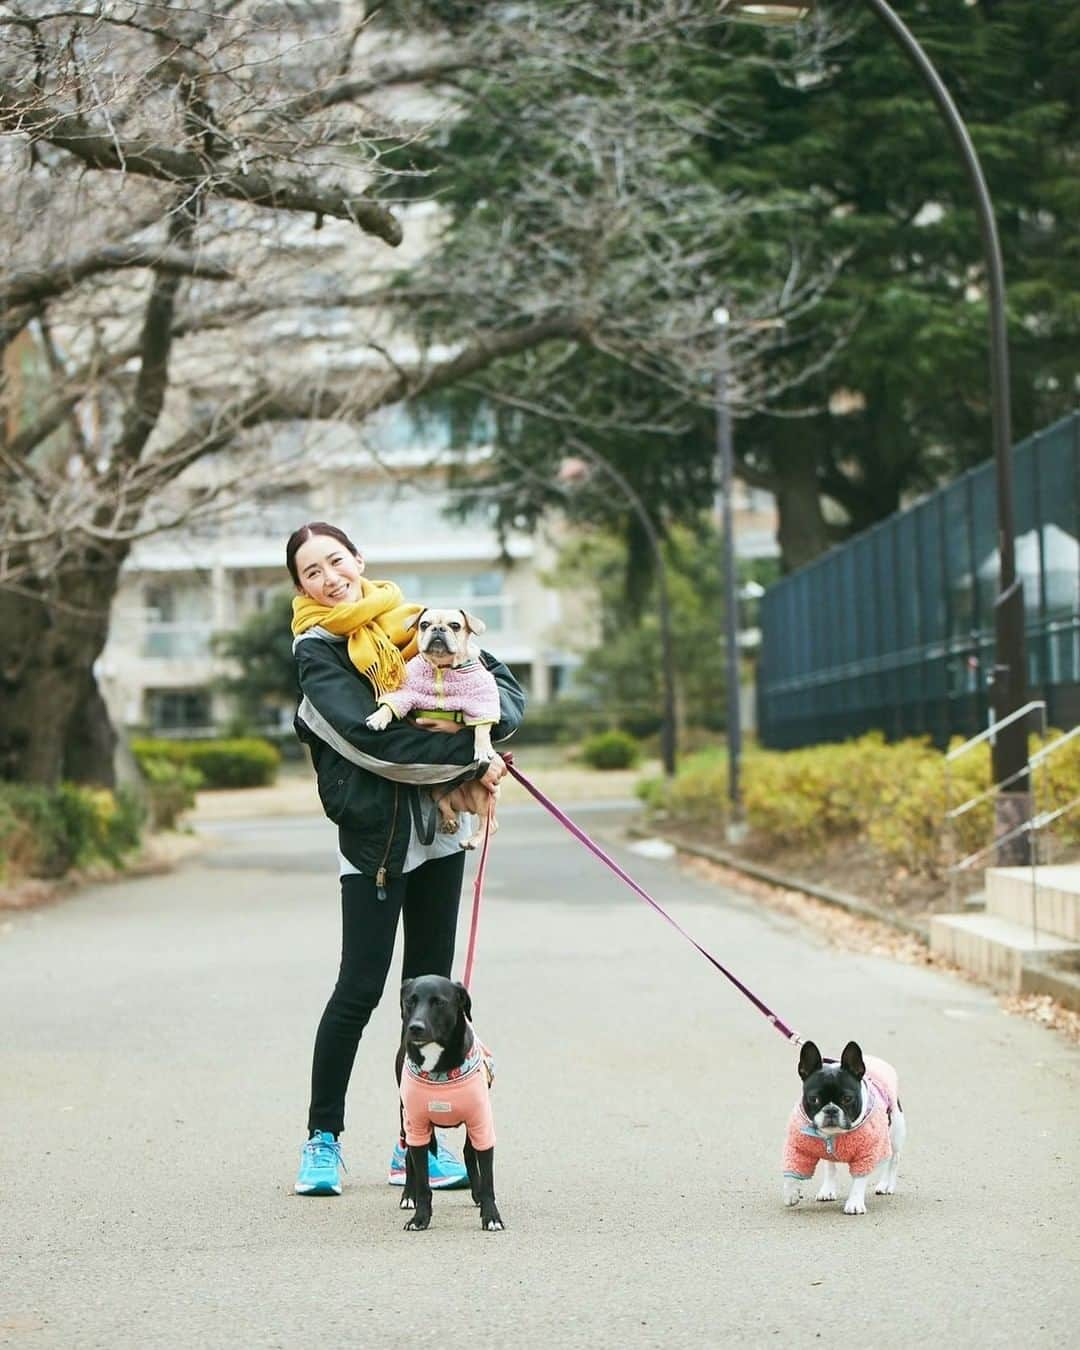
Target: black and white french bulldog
pixel 444 1075
pixel 448 679
pixel 849 1112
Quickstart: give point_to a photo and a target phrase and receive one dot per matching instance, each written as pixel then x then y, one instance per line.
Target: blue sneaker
pixel 445 1172
pixel 320 1159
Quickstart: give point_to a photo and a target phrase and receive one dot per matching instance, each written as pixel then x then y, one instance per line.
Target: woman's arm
pixel 511 699
pixel 336 701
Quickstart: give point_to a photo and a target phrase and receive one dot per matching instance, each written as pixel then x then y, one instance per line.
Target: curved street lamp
pixel 1010 673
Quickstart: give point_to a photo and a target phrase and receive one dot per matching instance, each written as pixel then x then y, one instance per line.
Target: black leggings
pixel 428 899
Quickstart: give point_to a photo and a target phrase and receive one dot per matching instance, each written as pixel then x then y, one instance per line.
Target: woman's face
pixel 327 571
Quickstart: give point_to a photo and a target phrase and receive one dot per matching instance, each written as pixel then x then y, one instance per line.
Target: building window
pixel 176 624
pixel 481 593
pixel 178 710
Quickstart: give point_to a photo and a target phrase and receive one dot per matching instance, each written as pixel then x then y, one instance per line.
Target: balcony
pixel 176 642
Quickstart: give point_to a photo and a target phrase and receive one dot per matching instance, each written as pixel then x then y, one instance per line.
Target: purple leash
pixel 578 833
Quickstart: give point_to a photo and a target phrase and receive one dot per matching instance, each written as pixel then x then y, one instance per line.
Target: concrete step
pixel 993 948
pixel 1057 975
pixel 1049 900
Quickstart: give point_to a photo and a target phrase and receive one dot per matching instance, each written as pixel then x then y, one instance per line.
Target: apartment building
pixel 160 670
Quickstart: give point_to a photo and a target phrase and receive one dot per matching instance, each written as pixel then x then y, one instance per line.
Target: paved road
pixel 153 1065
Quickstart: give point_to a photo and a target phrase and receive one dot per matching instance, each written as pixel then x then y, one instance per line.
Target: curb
pixel 840 899
pixel 150 861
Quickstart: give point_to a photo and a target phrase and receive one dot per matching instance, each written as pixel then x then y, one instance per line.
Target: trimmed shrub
pixel 243 762
pixel 610 750
pixel 170 790
pixel 894 795
pixel 46 831
pixel 1056 783
pixel 698 792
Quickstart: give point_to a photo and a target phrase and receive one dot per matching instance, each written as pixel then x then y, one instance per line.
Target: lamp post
pixel 573 470
pixel 724 478
pixel 1010 673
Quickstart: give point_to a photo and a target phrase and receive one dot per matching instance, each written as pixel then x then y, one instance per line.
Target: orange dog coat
pixel 460 1097
pixel 863 1147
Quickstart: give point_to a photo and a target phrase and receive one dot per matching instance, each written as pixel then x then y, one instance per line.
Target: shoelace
pixel 325 1152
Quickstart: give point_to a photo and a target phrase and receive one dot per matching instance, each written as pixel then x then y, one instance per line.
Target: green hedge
pixel 242 762
pixel 610 750
pixel 46 831
pixel 170 790
pixel 892 794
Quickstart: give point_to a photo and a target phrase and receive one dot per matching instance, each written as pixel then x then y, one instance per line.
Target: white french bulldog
pixel 447 679
pixel 849 1112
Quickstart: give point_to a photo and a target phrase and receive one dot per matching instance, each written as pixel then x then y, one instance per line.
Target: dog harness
pixel 469 691
pixel 460 1097
pixel 862 1147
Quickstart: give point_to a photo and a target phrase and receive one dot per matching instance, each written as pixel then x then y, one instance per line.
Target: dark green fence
pixel 895 629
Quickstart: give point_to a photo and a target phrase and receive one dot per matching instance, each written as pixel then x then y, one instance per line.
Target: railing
pixel 1032 826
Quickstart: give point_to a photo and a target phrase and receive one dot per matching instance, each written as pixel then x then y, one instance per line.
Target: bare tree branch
pixel 32 287
pixel 98 151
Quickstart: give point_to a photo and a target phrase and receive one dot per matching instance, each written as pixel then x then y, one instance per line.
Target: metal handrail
pixel 1028 826
pixel 953 813
pixel 994 728
pixel 1033 760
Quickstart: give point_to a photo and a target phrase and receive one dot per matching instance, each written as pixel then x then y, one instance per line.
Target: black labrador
pixel 444 1078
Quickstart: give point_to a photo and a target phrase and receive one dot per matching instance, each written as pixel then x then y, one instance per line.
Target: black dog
pixel 444 1078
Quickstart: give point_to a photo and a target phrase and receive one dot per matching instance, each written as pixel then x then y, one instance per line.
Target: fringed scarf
pixel 379 642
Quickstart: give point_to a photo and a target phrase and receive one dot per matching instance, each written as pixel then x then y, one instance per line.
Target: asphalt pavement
pixel 155 1039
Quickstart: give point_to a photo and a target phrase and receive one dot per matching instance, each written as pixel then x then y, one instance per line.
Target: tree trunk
pixel 803 532
pixel 48 647
pixel 91 741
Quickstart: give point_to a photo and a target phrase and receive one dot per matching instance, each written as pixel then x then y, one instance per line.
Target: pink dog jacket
pixel 460 1097
pixel 863 1147
pixel 469 690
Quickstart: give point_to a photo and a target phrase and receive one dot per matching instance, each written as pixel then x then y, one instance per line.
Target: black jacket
pixel 369 780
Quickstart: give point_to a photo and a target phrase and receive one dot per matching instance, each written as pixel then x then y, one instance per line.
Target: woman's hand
pixel 440 724
pixel 495 771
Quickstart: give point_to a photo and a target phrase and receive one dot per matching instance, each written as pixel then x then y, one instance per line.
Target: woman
pixel 351 642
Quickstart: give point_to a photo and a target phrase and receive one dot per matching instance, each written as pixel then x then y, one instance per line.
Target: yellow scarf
pixel 379 642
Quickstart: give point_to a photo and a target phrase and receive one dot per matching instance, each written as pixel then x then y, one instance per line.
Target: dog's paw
pixel 473 842
pixel 491 1222
pixel 448 825
pixel 885 1188
pixel 417 1224
pixel 855 1205
pixel 792 1191
pixel 826 1193
pixel 380 719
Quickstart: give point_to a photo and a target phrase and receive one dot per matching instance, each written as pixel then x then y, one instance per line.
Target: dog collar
pixel 462 1070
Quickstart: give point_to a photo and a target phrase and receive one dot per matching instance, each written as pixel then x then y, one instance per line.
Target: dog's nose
pixel 417 1029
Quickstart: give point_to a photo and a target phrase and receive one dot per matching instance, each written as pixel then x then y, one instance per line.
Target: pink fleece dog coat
pixel 863 1147
pixel 468 690
pixel 460 1097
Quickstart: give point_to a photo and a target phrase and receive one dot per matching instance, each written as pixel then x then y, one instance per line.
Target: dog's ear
pixel 852 1059
pixel 474 624
pixel 413 619
pixel 464 1000
pixel 809 1060
pixel 406 990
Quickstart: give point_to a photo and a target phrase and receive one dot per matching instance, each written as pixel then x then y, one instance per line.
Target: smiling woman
pixel 352 637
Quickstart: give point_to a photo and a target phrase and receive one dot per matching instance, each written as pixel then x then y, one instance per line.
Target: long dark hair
pixel 309 531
